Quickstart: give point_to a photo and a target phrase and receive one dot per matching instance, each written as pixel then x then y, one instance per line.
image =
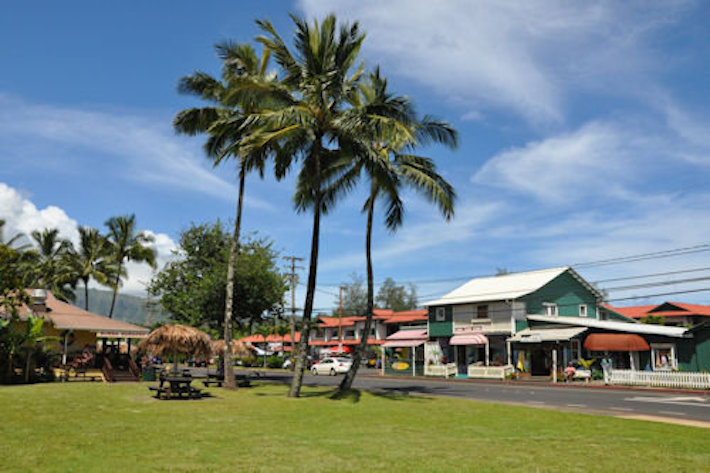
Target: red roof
pixel 330 343
pixel 256 338
pixel 388 316
pixel 672 309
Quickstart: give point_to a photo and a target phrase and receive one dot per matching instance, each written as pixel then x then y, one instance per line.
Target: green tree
pixel 191 289
pixel 393 130
pixel 227 124
pixel 127 244
pixel 396 297
pixel 311 125
pixel 53 268
pixel 92 260
pixel 354 297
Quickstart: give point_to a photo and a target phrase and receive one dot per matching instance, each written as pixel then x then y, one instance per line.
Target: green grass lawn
pixel 99 427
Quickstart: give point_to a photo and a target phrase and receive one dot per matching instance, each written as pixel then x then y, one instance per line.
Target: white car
pixel 332 366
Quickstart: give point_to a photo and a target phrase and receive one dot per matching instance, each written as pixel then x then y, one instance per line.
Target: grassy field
pixel 98 427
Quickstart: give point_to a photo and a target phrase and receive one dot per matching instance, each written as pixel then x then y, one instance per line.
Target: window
pixel 663 356
pixel 550 309
pixel 440 314
pixel 582 310
pixel 575 350
pixel 482 311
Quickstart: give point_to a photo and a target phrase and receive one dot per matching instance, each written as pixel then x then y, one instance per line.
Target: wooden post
pixel 488 354
pixel 64 354
pixel 508 349
pixel 414 361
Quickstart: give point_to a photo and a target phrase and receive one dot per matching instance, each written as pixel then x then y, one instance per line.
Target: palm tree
pixel 311 125
pixel 393 127
pixel 227 124
pixel 127 245
pixel 91 260
pixel 53 269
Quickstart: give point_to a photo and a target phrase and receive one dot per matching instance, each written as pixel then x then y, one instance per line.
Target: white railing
pixel 669 379
pixel 440 370
pixel 489 372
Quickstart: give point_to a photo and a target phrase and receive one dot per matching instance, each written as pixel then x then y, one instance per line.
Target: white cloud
pixel 110 144
pixel 22 217
pixel 525 57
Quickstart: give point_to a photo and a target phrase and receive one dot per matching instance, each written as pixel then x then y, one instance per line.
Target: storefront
pixel 545 351
pixel 403 353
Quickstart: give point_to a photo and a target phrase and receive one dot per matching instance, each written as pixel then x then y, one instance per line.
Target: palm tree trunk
pixel 347 382
pixel 86 294
pixel 115 290
pixel 229 381
pixel 302 349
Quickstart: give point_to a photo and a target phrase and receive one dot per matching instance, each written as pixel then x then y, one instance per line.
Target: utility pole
pixel 293 281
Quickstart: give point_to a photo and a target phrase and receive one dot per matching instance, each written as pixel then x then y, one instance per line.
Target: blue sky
pixel 585 133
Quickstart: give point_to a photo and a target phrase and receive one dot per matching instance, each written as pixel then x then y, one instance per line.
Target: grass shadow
pixel 352 395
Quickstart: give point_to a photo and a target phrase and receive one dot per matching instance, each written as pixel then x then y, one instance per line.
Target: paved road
pixel 689 407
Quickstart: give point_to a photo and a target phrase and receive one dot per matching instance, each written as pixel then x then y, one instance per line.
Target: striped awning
pixel 615 342
pixel 469 339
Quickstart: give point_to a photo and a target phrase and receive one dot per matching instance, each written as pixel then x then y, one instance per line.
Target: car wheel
pixel 314 371
pixel 332 372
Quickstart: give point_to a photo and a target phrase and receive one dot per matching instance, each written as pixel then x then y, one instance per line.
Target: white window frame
pixel 583 310
pixel 551 309
pixel 672 363
pixel 440 314
pixel 575 347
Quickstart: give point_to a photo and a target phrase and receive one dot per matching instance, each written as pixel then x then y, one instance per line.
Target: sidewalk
pixel 597 384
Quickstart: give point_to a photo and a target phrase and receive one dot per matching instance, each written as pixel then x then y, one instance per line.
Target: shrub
pixel 275 362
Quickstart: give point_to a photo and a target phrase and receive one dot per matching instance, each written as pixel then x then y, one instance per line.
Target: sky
pixel 584 136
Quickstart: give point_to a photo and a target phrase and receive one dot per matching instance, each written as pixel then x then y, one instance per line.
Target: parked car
pixel 197 362
pixel 332 366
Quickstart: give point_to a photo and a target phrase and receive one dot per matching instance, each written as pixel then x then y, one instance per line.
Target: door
pixel 461 366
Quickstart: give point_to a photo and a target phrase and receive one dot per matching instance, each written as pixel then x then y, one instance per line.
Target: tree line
pixel 54 263
pixel 316 111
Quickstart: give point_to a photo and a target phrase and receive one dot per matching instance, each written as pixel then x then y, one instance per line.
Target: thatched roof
pixel 239 349
pixel 182 339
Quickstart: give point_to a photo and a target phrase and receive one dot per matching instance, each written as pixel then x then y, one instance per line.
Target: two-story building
pixel 341 334
pixel 474 324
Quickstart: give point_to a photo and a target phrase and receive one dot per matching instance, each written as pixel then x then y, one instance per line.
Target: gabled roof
pixel 624 327
pixel 505 287
pixel 69 317
pixel 666 309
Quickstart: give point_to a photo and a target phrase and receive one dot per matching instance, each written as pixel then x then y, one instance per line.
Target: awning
pixel 469 339
pixel 403 343
pixel 530 335
pixel 615 342
pixel 409 335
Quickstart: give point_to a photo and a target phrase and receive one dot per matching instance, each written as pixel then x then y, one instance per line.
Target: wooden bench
pixel 242 381
pixel 165 393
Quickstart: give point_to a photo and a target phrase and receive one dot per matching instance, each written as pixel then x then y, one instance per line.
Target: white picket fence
pixel 489 372
pixel 668 379
pixel 440 370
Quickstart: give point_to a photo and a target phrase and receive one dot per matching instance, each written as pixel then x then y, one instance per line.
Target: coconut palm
pixel 127 244
pixel 53 269
pixel 226 124
pixel 321 77
pixel 91 260
pixel 393 129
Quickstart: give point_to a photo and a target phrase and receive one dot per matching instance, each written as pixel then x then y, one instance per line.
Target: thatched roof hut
pixel 239 349
pixel 177 339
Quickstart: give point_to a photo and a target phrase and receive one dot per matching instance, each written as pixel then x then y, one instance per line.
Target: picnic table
pixel 177 386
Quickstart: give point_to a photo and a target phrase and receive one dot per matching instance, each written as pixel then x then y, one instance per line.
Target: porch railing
pixel 490 372
pixel 668 379
pixel 446 370
pixel 107 370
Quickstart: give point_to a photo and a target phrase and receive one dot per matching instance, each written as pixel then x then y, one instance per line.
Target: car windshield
pixel 344 360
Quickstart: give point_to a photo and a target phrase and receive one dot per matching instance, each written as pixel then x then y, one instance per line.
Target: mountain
pixel 131 309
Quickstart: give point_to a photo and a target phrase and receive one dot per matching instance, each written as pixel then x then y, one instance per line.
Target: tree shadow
pixel 352 395
pixel 400 394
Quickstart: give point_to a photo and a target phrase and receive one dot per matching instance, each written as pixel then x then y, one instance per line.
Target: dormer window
pixel 550 309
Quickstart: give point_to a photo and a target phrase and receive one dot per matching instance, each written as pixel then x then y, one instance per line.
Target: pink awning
pixel 403 343
pixel 417 334
pixel 469 339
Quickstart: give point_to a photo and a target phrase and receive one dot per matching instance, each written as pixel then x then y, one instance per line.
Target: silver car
pixel 332 366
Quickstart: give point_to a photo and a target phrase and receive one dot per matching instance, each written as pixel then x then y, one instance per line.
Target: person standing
pixel 606 368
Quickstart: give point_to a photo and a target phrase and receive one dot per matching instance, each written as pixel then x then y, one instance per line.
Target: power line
pixel 646 256
pixel 667 273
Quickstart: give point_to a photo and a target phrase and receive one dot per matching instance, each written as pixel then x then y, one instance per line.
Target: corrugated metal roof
pixel 532 335
pixel 498 288
pixel 627 327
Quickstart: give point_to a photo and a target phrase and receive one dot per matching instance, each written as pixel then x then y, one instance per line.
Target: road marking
pixel 625 409
pixel 577 405
pixel 675 400
pixel 672 413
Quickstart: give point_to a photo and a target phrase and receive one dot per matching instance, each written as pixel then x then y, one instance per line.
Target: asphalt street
pixel 622 402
